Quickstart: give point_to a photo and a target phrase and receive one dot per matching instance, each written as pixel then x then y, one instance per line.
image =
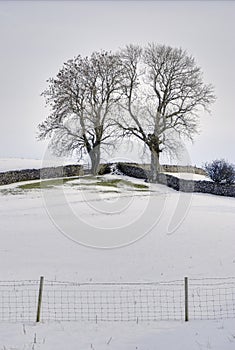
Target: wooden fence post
pixel 186 310
pixel 39 299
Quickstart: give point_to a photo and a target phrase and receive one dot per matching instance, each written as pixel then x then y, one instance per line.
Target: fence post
pixel 39 299
pixel 186 318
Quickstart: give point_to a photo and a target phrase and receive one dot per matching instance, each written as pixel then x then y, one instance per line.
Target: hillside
pixel 166 235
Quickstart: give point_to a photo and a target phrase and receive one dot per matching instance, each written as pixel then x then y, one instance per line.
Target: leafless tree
pixel 164 93
pixel 82 98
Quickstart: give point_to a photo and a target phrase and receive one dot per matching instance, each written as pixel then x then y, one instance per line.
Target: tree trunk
pixel 155 166
pixel 95 159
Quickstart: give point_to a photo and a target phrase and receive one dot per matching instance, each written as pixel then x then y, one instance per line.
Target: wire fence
pixel 198 299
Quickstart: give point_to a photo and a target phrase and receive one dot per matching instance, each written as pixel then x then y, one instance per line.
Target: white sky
pixel 37 37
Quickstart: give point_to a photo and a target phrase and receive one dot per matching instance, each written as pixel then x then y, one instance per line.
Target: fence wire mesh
pixel 138 302
pixel 18 300
pixel 113 302
pixel 212 298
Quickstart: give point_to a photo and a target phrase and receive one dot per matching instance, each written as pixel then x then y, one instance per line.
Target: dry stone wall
pixel 196 186
pixel 179 184
pixel 129 169
pixel 183 169
pixel 9 177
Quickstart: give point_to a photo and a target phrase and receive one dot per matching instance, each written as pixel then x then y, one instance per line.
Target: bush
pixel 221 171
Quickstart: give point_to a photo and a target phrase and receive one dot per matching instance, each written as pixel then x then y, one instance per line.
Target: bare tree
pixel 164 93
pixel 82 98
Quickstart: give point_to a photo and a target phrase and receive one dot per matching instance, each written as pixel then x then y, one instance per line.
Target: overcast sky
pixel 37 37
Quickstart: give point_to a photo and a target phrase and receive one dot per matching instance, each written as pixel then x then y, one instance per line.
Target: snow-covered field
pixel 197 335
pixel 166 235
pixel 190 176
pixel 7 164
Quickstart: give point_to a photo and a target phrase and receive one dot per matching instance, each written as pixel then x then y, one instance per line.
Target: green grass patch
pixel 140 186
pixel 117 183
pixel 121 183
pixel 109 191
pixel 94 181
pixel 46 183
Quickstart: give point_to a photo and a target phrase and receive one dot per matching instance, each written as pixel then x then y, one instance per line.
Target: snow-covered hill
pixel 191 235
pixel 190 176
pixel 7 164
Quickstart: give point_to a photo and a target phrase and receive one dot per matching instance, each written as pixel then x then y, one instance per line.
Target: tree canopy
pixel 82 98
pixel 164 93
pixel 145 93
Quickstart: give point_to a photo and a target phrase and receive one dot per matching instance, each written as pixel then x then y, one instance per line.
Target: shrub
pixel 221 171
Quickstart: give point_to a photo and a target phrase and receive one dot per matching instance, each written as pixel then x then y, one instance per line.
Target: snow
pixel 190 176
pixel 7 164
pixel 200 335
pixel 191 235
pixel 202 244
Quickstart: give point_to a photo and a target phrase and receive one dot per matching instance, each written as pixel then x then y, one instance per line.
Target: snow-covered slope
pixel 190 176
pixel 192 235
pixel 7 164
pixel 200 335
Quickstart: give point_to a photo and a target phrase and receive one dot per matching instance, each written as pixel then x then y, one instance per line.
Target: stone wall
pixel 132 170
pixel 183 169
pixel 196 186
pixel 9 177
pixel 106 168
pixel 135 170
pixel 129 169
pixel 176 168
